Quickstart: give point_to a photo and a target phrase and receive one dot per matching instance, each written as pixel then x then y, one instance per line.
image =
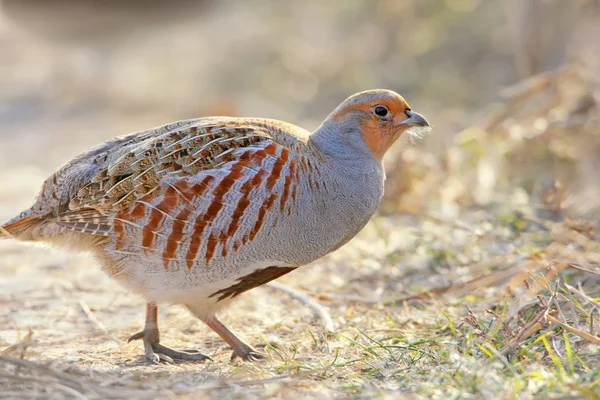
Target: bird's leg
pixel 155 351
pixel 240 349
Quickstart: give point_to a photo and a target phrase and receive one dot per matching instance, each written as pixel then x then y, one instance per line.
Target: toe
pixel 191 351
pixel 156 352
pixel 180 354
pixel 153 358
pixel 256 357
pixel 136 336
pixel 165 358
pixel 249 355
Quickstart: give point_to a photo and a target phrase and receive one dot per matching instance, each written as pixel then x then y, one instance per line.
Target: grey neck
pixel 355 184
pixel 342 141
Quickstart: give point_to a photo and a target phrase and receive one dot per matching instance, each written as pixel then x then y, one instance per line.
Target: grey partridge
pixel 199 211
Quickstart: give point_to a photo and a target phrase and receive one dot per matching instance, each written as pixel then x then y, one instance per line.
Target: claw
pixel 256 357
pixel 136 336
pixel 153 358
pixel 165 358
pixel 248 355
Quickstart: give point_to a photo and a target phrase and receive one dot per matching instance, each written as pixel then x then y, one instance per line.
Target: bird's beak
pixel 414 119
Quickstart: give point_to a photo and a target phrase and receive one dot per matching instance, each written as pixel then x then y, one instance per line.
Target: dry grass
pixel 467 317
pixel 480 278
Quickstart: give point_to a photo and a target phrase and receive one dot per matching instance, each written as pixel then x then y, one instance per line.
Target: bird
pixel 199 211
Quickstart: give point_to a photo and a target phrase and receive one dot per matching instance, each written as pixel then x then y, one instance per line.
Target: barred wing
pixel 138 168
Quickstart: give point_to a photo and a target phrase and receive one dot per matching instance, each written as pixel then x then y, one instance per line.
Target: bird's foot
pixel 157 352
pixel 240 349
pixel 247 353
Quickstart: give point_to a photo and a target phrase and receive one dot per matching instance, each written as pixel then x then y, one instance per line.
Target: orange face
pixel 383 120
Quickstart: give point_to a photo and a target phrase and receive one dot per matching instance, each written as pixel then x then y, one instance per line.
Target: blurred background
pixel 496 206
pixel 73 74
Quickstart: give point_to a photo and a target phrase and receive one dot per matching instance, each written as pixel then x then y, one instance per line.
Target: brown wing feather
pixel 86 221
pixel 139 169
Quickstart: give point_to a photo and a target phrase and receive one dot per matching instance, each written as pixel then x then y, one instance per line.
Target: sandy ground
pixel 64 324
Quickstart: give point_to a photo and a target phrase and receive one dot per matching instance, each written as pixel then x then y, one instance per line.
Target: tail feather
pixel 24 226
pixel 4 233
pixel 17 225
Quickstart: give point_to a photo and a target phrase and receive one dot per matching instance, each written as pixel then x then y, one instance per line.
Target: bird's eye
pixel 381 111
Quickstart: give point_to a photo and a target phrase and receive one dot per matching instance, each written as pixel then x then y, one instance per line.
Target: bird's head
pixel 380 116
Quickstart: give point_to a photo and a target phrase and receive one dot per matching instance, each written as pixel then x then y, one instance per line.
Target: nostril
pixel 414 119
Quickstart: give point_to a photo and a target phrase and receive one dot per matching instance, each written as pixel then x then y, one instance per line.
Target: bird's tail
pixel 4 233
pixel 18 225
